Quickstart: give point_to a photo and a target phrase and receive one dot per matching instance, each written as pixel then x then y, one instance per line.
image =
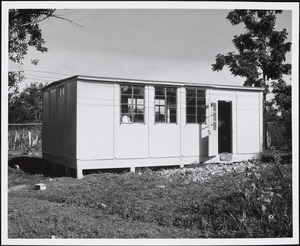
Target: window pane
pixel 173 111
pixel 131 108
pixel 156 109
pixel 201 94
pixel 159 93
pixel 138 118
pixel 201 114
pixel 215 126
pixel 138 96
pixel 171 95
pixel 140 101
pixel 195 106
pixel 165 106
pixel 132 103
pixel 160 118
pixel 139 109
pixel 201 118
pixel 159 102
pixel 138 90
pixel 214 106
pixel 173 118
pixel 124 98
pixel 125 89
pixel 191 109
pixel 136 101
pixel 171 92
pixel 190 94
pixel 190 105
pixel 124 108
pixel 191 118
pixel 201 100
pixel 159 109
pixel 126 118
pixel 171 100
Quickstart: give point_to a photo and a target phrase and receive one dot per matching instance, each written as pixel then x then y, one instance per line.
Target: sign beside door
pixel 213 129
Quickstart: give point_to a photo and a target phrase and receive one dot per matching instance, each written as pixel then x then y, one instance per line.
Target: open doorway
pixel 225 126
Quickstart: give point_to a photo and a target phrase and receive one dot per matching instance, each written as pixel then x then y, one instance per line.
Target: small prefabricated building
pixel 105 123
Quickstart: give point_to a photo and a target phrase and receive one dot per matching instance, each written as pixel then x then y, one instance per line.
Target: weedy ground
pixel 251 202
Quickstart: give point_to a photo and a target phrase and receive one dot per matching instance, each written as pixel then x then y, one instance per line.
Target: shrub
pixel 273 155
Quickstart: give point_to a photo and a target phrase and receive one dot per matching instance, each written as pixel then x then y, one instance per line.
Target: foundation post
pixel 79 174
pixel 132 169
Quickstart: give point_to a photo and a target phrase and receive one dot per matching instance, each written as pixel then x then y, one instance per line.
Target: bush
pixel 272 155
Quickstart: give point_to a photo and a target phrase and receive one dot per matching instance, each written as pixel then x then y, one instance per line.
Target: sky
pixel 150 44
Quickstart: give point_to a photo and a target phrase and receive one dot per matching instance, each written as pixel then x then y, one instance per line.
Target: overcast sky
pixel 154 44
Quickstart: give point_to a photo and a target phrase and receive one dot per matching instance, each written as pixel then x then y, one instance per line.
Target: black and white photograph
pixel 149 123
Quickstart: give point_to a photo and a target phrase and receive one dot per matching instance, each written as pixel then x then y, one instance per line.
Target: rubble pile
pixel 204 171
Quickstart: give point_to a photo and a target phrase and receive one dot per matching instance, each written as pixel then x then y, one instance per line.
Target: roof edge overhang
pixel 85 78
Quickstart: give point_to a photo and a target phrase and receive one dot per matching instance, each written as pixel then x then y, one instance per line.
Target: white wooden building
pixel 99 123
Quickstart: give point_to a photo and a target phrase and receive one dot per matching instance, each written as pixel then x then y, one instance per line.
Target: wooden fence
pixel 25 138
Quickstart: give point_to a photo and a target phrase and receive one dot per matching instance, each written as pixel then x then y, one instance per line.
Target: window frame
pixel 132 114
pixel 197 108
pixel 61 92
pixel 165 106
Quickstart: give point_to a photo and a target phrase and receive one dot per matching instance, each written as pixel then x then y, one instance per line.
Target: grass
pixel 249 204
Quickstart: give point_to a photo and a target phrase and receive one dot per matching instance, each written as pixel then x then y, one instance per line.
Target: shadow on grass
pixel 34 165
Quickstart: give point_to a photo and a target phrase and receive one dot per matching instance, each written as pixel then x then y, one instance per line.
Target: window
pixel 165 105
pixel 61 92
pixel 195 106
pixel 214 115
pixel 132 103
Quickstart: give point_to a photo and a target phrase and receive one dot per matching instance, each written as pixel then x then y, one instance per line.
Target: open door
pixel 225 126
pixel 213 129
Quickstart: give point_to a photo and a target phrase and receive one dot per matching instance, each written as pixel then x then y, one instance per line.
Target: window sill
pixel 160 123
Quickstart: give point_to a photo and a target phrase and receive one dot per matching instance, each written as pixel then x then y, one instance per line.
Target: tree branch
pixel 36 21
pixel 50 14
pixel 62 18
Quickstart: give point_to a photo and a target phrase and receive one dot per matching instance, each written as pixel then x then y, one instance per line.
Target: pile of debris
pixel 204 171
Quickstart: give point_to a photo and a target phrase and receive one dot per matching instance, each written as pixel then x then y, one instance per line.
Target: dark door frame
pixel 225 136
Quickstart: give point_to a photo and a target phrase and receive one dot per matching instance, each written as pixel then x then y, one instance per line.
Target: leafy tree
pixel 272 112
pixel 26 107
pixel 261 52
pixel 24 31
pixel 283 100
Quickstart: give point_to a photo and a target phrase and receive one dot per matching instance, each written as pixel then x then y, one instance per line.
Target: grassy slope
pixel 148 205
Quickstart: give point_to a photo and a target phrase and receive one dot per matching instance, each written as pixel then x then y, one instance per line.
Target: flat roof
pixel 152 82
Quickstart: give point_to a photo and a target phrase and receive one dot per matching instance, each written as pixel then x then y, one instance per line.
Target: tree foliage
pixel 283 100
pixel 261 55
pixel 24 32
pixel 261 49
pixel 26 107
